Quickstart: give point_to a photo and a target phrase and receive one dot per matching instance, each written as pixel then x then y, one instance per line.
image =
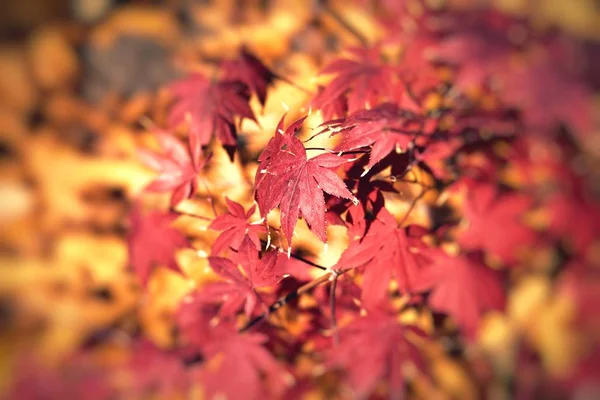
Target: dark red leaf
pixel 362 79
pixel 235 226
pixel 210 108
pixel 296 184
pixel 250 70
pixel 385 128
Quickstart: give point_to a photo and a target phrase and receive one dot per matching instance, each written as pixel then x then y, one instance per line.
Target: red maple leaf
pixel 363 79
pixel 178 166
pixel 238 367
pixel 210 108
pixel 464 288
pixel 235 227
pixel 375 349
pixel 495 222
pixel 385 128
pixel 296 184
pixel 157 372
pixel 240 289
pixel 386 251
pixel 534 87
pixel 152 241
pixel 574 211
pixel 250 70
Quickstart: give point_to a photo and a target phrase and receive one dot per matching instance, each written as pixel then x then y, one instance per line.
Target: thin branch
pixel 291 83
pixel 298 257
pixel 210 198
pixel 340 20
pixel 413 203
pixel 334 326
pixel 285 300
pixel 190 214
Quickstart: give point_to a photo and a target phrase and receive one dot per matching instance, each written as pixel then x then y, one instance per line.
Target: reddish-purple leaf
pixel 361 79
pixel 178 166
pixel 152 241
pixel 238 367
pixel 464 288
pixel 376 349
pixel 210 108
pixel 386 252
pixel 385 128
pixel 240 290
pixel 495 222
pixel 156 372
pixel 250 70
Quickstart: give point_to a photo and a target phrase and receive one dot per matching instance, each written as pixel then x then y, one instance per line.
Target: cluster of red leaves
pixel 381 108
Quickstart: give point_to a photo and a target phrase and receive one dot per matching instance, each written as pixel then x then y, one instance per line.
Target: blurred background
pixel 76 76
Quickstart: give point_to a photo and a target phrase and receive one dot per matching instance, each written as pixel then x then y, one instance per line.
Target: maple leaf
pixel 250 70
pixel 464 288
pixel 495 222
pixel 178 166
pixel 210 108
pixel 152 241
pixel 238 367
pixel 73 378
pixel 533 89
pixel 385 128
pixel 296 184
pixel 235 227
pixel 386 251
pixel 574 213
pixel 363 79
pixel 193 319
pixel 240 290
pixel 375 349
pixel 478 54
pixel 157 372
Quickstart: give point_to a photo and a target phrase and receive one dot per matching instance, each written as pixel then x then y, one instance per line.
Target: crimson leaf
pixel 296 184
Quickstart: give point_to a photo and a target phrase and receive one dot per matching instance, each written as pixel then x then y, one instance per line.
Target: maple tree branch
pixel 190 214
pixel 334 326
pixel 404 131
pixel 337 152
pixel 210 198
pixel 285 300
pixel 298 257
pixel 413 203
pixel 291 83
pixel 343 23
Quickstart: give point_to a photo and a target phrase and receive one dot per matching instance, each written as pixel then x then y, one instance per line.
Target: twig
pixel 334 326
pixel 210 198
pixel 291 83
pixel 340 20
pixel 413 203
pixel 285 300
pixel 190 214
pixel 299 258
